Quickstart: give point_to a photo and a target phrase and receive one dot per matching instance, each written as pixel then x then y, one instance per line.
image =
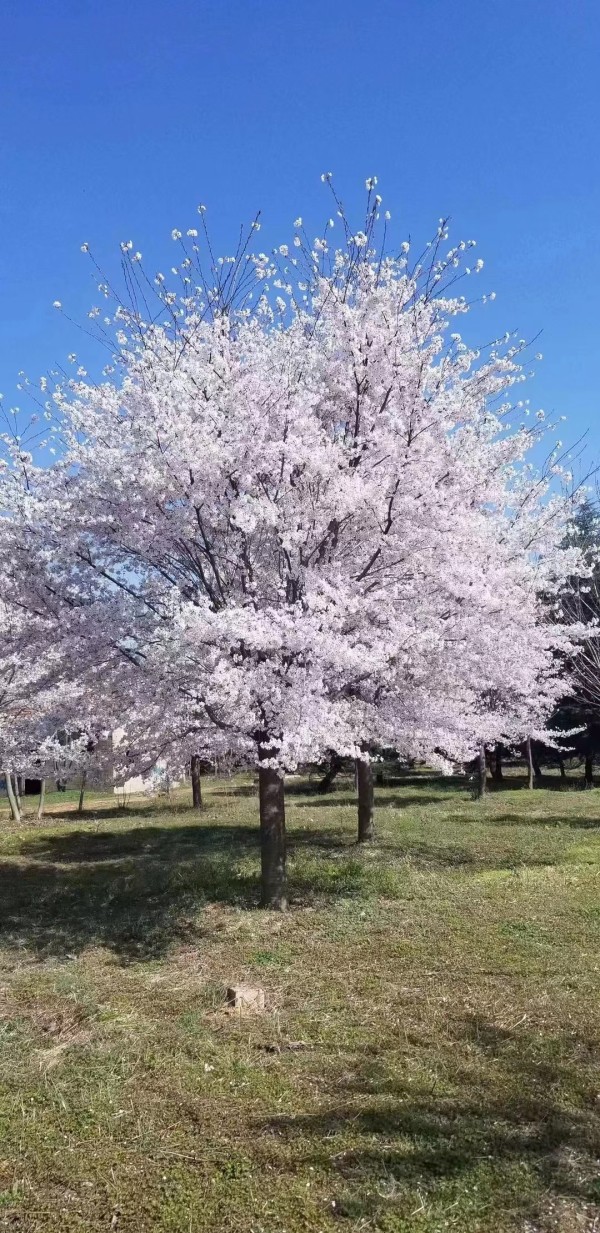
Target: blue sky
pixel 118 118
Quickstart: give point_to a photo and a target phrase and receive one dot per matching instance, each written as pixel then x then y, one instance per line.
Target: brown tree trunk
pixel 497 774
pixel 561 767
pixel 589 771
pixel 335 766
pixel 17 791
pixel 481 773
pixel 364 788
pixel 40 811
pixel 272 838
pixel 529 759
pixel 12 800
pixel 196 785
pixel 82 792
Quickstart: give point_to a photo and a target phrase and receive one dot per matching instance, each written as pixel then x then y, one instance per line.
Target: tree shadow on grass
pixel 165 844
pixel 343 792
pixel 432 791
pixel 545 820
pixel 414 851
pixel 238 789
pixel 104 811
pixel 530 1100
pixel 135 891
pixel 383 798
pixel 138 891
pixel 553 783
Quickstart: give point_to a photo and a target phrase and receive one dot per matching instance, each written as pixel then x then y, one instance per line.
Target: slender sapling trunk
pixel 497 772
pixel 529 758
pixel 196 785
pixel 40 811
pixel 481 773
pixel 364 787
pixel 589 771
pixel 12 800
pixel 82 792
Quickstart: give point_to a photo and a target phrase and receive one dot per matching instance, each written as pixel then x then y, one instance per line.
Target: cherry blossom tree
pixel 294 508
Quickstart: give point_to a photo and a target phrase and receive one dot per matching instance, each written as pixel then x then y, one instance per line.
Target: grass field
pixel 429 1058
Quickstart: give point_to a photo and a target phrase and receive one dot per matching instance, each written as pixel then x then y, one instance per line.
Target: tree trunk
pixel 335 766
pixel 561 767
pixel 12 800
pixel 529 758
pixel 364 787
pixel 272 838
pixel 196 785
pixel 497 774
pixel 40 812
pixel 481 773
pixel 15 787
pixel 589 771
pixel 82 792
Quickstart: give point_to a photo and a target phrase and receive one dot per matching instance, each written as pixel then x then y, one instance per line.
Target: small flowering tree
pixel 30 701
pixel 294 507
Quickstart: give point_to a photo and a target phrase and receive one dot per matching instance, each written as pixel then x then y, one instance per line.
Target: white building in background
pixel 139 785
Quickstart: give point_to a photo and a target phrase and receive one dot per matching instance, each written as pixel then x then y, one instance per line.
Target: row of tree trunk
pixel 15 792
pixel 272 810
pixel 534 770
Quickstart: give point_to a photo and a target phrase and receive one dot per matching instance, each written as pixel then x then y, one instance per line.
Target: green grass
pixel 430 1054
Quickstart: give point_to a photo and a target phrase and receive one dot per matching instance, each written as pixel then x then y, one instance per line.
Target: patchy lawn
pixel 430 1054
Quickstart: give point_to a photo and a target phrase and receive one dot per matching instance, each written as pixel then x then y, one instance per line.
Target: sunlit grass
pixel 429 1057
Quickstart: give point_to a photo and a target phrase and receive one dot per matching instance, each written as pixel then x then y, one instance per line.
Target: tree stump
pixel 246 998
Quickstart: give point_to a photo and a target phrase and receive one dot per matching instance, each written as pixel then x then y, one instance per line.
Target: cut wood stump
pixel 245 998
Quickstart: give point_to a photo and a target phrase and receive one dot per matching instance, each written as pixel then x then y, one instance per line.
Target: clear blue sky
pixel 118 118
